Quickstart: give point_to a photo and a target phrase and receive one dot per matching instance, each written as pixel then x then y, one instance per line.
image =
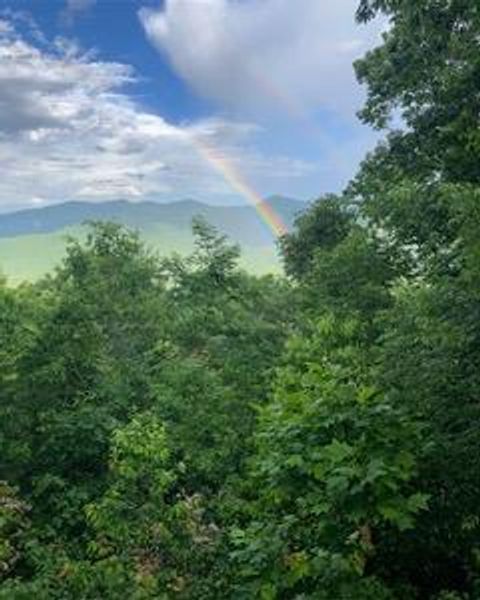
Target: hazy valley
pixel 33 241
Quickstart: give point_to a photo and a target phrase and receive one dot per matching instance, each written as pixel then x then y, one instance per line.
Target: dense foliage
pixel 178 428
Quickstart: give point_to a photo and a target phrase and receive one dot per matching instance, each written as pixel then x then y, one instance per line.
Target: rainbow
pixel 235 179
pixel 223 165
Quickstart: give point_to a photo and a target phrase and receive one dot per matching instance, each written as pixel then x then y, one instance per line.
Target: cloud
pixel 73 8
pixel 5 27
pixel 263 54
pixel 70 130
pixel 52 91
pixel 79 5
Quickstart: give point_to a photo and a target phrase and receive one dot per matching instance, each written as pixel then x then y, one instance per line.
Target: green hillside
pixel 29 257
pixel 32 242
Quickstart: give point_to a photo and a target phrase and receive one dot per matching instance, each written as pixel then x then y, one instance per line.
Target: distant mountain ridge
pixel 33 241
pixel 241 223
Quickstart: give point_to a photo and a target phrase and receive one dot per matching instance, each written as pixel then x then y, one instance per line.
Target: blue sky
pixel 107 99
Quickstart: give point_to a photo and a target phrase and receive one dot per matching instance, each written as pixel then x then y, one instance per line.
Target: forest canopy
pixel 178 428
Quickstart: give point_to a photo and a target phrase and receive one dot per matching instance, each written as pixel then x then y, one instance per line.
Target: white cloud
pixel 5 27
pixel 78 5
pixel 69 130
pixel 75 7
pixel 40 90
pixel 254 55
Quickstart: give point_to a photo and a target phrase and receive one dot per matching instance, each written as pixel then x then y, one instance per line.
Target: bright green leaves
pixel 335 464
pixel 139 450
pixel 400 513
pixel 139 479
pixel 156 533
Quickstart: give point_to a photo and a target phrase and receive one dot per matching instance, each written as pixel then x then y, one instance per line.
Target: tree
pixel 84 372
pixel 224 331
pixel 157 536
pixel 323 226
pixel 428 69
pixel 420 190
pixel 332 475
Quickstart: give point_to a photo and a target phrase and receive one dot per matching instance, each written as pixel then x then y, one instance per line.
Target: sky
pixel 223 101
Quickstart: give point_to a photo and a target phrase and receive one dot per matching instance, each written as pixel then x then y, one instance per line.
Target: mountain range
pixel 33 240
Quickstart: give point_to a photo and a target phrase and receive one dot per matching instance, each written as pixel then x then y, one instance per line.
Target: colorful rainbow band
pixel 237 182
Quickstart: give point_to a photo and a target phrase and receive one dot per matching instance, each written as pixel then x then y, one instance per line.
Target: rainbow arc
pixel 223 165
